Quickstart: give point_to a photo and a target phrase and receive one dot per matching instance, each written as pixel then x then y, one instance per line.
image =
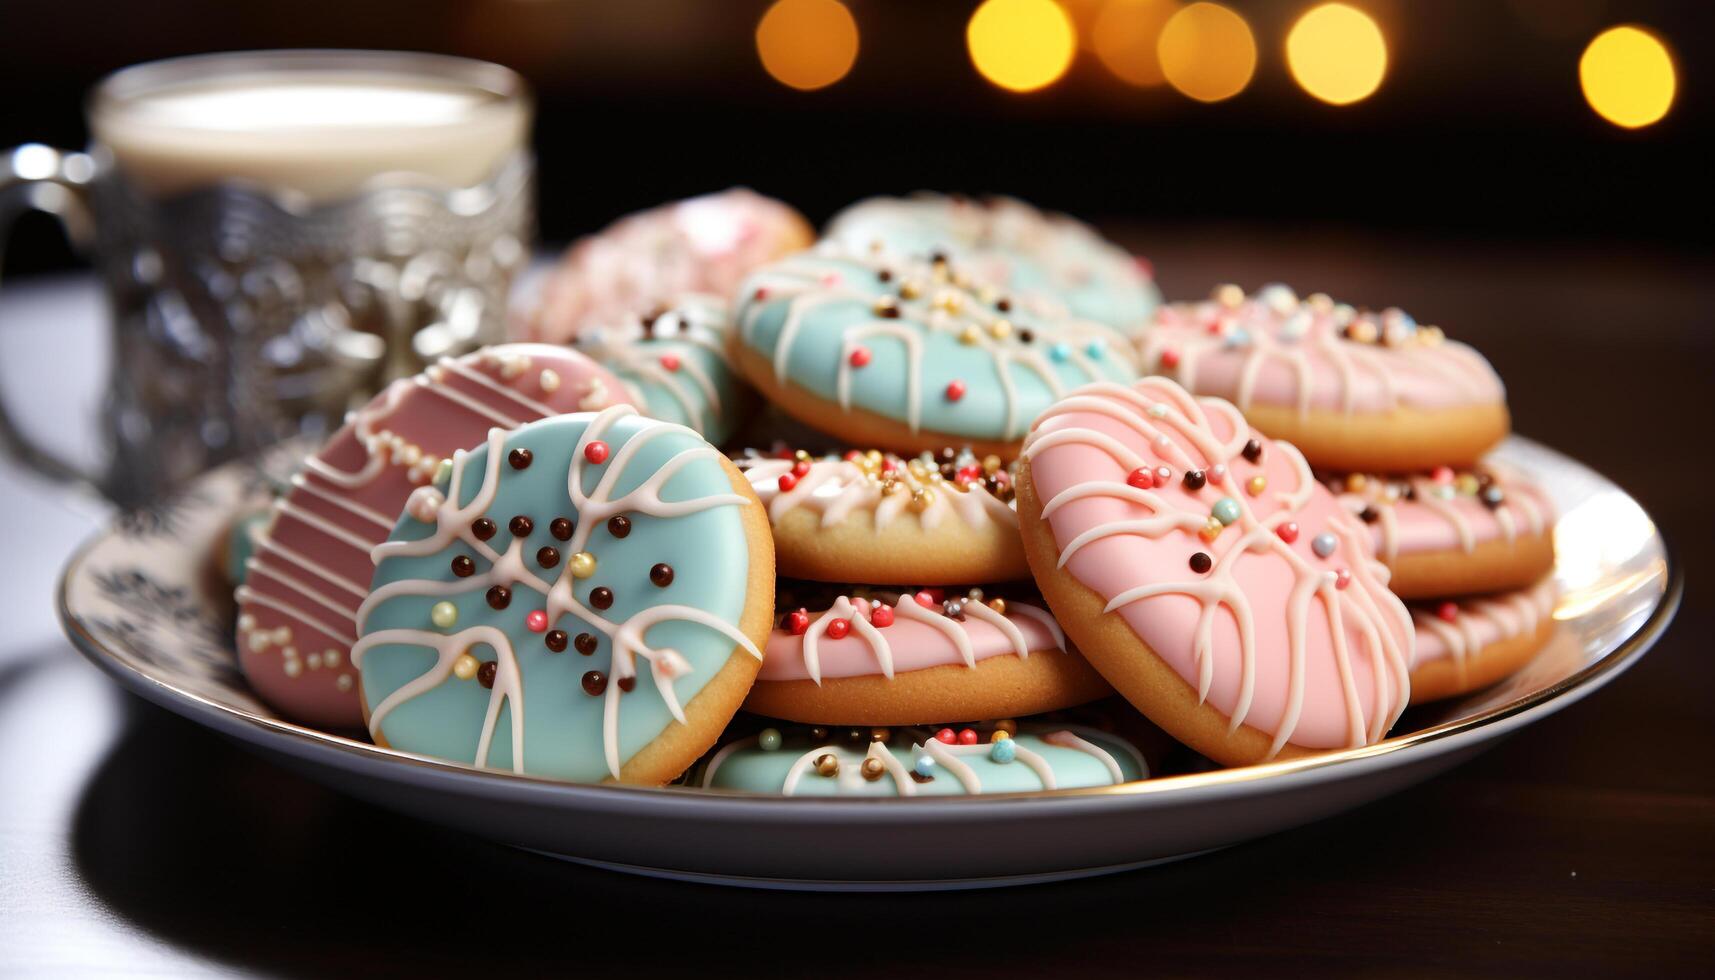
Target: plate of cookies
pixel 941 535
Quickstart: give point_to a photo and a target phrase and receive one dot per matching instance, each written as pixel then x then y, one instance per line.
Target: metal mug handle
pixel 34 177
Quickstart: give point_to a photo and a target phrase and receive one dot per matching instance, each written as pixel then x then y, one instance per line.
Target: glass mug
pixel 280 233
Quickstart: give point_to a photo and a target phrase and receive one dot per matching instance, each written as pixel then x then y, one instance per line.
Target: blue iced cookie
pixel 242 538
pixel 1049 262
pixel 921 762
pixel 582 598
pixel 675 364
pixel 907 354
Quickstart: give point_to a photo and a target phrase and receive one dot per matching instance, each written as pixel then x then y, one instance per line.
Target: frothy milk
pixel 319 132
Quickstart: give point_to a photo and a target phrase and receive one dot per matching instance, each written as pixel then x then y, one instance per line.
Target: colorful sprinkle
pixel 797 621
pixel 838 628
pixel 1442 474
pixel 1201 562
pixel 1252 451
pixel 1141 478
pixel 485 674
pixel 519 458
pixel 555 640
pixel 1003 751
pixel 827 764
pixel 872 769
pixel 661 574
pixel 521 526
pixel 594 682
pixel 1324 544
pixel 859 357
pixel 1195 480
pixel 601 597
pixel 947 736
pixel 1163 476
pixel 1256 485
pixel 444 614
pixel 787 481
pixel 619 525
pixel 1212 530
pixel 1342 578
pixel 463 567
pixel 1170 359
pixel 585 643
pixel 464 668
pixel 880 616
pixel 1226 510
pixel 1288 532
pixel 1217 473
pixel 596 452
pixel 967 736
pixel 926 599
pixel 561 528
pixel 670 362
pixel 955 390
pixel 1059 352
pixel 482 528
pixel 924 766
pixel 1094 350
pixel 537 621
pixel 581 565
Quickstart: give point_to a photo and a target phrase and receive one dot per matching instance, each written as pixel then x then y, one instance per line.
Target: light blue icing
pixel 702 392
pixel 832 296
pixel 563 725
pixel 241 542
pixel 1042 258
pixel 753 769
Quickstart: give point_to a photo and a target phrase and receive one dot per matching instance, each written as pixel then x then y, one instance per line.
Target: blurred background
pixel 1576 120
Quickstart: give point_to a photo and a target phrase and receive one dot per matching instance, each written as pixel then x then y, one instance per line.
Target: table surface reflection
pixel 133 842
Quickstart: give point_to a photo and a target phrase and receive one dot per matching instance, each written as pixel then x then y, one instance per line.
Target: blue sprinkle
pixel 1323 544
pixel 1094 349
pixel 924 764
pixel 1003 750
pixel 1226 510
pixel 1059 352
pixel 1237 338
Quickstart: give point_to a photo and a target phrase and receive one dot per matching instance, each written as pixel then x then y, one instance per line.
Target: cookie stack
pixel 1397 419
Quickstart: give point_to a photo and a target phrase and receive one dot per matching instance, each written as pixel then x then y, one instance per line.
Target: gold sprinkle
pixel 464 668
pixel 873 769
pixel 1356 482
pixel 991 464
pixel 1000 329
pixel 998 605
pixel 1229 295
pixel 923 499
pixel 970 335
pixel 1256 485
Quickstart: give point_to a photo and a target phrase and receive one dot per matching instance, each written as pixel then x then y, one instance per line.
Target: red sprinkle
pixel 537 621
pixel 946 735
pixel 967 736
pixel 853 455
pixel 760 294
pixel 797 622
pixel 830 279
pixel 1146 267
pixel 596 452
pixel 801 468
pixel 1288 532
pixel 1442 474
pixel 955 390
pixel 859 356
pixel 1170 358
pixel 1141 478
pixel 1448 611
pixel 889 465
pixel 838 628
pixel 670 361
pixel 787 482
pixel 968 473
pixel 1342 578
pixel 880 616
pixel 926 599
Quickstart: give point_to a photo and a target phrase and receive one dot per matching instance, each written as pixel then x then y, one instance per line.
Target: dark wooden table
pixel 131 841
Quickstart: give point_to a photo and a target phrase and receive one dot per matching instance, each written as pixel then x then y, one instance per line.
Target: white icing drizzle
pixel 1512 614
pixel 1522 508
pixel 857 613
pixel 1071 740
pixel 946 759
pixel 1364 604
pixel 941 305
pixel 701 321
pixel 1281 328
pixel 453 522
pixel 835 487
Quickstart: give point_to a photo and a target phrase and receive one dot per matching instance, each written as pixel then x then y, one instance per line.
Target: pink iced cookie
pixel 651 259
pixel 1469 644
pixel 890 658
pixel 1208 575
pixel 1454 533
pixel 298 606
pixel 1353 390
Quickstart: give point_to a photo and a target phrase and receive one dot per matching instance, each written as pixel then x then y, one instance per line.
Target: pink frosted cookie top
pixel 298 606
pixel 1460 629
pixel 931 488
pixel 1444 510
pixel 1275 349
pixel 861 637
pixel 652 258
pixel 1224 554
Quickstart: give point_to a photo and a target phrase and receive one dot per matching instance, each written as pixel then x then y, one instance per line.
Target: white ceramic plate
pixel 143 602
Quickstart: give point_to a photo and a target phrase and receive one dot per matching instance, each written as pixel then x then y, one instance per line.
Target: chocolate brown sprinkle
pixel 585 643
pixel 521 526
pixel 555 640
pixel 601 597
pixel 661 574
pixel 547 557
pixel 463 567
pixel 519 458
pixel 483 528
pixel 619 525
pixel 499 597
pixel 595 682
pixel 561 528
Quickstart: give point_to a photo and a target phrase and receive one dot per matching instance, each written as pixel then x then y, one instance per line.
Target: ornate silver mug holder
pixel 242 316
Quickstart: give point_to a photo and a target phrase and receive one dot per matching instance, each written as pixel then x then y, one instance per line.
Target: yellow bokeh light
pixel 1628 77
pixel 1207 52
pixel 1124 37
pixel 807 44
pixel 1337 53
pixel 1022 45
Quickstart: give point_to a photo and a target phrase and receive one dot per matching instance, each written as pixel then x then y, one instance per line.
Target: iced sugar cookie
pixel 910 355
pixel 948 761
pixel 1050 263
pixel 934 519
pixel 298 605
pixel 1207 574
pixel 1450 532
pixel 1467 644
pixel 674 364
pixel 239 543
pixel 649 260
pixel 879 657
pixel 1353 390
pixel 584 598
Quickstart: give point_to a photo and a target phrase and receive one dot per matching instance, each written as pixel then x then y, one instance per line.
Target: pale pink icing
pixel 311 571
pixel 1350 682
pixel 1274 349
pixel 1481 622
pixel 918 638
pixel 652 258
pixel 1442 519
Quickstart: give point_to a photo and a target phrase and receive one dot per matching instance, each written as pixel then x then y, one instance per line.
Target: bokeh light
pixel 807 44
pixel 1125 34
pixel 1337 53
pixel 1628 77
pixel 1021 45
pixel 1207 52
